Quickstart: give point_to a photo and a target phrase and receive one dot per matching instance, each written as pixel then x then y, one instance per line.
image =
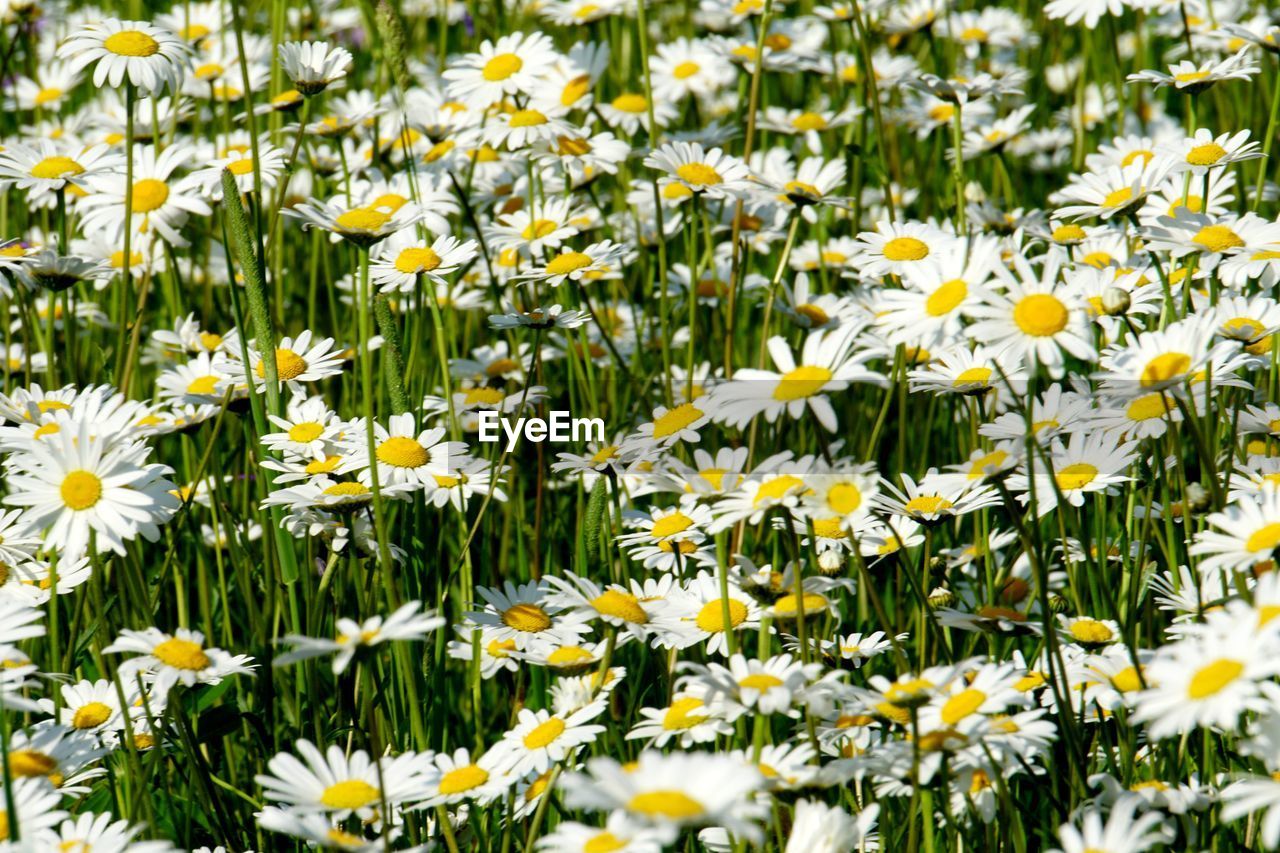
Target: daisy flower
pixel 313 66
pixel 1203 151
pixel 399 263
pixel 583 266
pixel 715 173
pixel 1193 79
pixel 1244 535
pixel 1090 462
pixel 541 739
pixel 526 615
pixel 298 360
pixel 897 248
pixel 153 59
pixel 698 612
pixel 159 201
pixel 182 657
pixel 75 482
pixel 456 777
pixel 827 364
pixel 515 64
pixel 343 785
pixel 361 225
pixel 403 625
pixel 1116 191
pixel 933 499
pixel 670 792
pixel 406 454
pixel 45 167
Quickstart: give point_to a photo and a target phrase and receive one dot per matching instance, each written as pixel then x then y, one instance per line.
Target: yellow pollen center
pixel 711 616
pixel 973 376
pixel 90 715
pixel 682 714
pixel 349 794
pixel 620 605
pixel 804 381
pixel 1068 233
pixel 670 525
pixel 501 67
pixel 402 452
pixel 1217 238
pixel 463 779
pixel 945 299
pixel 605 842
pixel 149 194
pixel 347 490
pixel 544 734
pixel 1206 155
pixel 630 103
pixel 363 220
pixel 53 168
pixel 1118 198
pixel 669 804
pixel 131 43
pixel 526 118
pixel 962 705
pixel 761 681
pixel 1214 677
pixel 529 618
pixel 685 70
pixel 1090 631
pixel 1040 315
pixel 181 654
pixel 568 262
pixel 677 419
pixel 905 249
pixel 1076 476
pixel 698 174
pixel 808 121
pixel 1164 368
pixel 1265 538
pixel 538 228
pixel 81 490
pixel 926 504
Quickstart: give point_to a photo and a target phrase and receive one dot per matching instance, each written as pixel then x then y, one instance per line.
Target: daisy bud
pixel 1058 604
pixel 1198 499
pixel 1115 301
pixel 830 562
pixel 941 598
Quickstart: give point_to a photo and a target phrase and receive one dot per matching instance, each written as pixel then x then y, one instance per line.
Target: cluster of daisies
pixel 936 498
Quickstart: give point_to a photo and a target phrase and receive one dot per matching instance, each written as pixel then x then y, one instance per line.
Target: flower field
pixel 617 426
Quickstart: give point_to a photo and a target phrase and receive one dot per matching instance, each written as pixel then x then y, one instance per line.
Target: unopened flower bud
pixel 1115 301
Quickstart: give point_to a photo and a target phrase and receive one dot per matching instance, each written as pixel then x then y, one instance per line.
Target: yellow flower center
pixel 544 734
pixel 181 654
pixel 942 113
pixel 526 118
pixel 787 605
pixel 630 103
pixel 1213 677
pixel 31 763
pixel 670 525
pixel 81 490
pixel 1126 680
pixel 698 174
pixel 972 376
pixel 306 432
pixel 761 681
pixel 844 498
pixel 1068 233
pixel 575 90
pixel 1191 76
pixel 1206 155
pixel 346 490
pixel 501 67
pixel 47 429
pixel 1090 631
pixel 711 616
pixel 804 381
pixel 829 528
pixel 1076 476
pixel 349 794
pixel 529 618
pixel 1040 315
pixel 620 605
pixel 905 249
pixel 669 804
pixel 605 842
pixel 1165 367
pixel 945 299
pixel 538 228
pixel 925 504
pixel 203 385
pixel 568 262
pixel 1118 198
pixel 322 466
pixel 808 121
pixel 289 365
pixel 131 43
pixel 45 96
pixel 1264 538
pixel 363 220
pixel 962 705
pixel 685 70
pixel 401 452
pixel 1147 407
pixel 149 194
pixel 90 715
pixel 483 396
pixel 801 188
pixel 53 168
pixel 1217 238
pixel 463 779
pixel 677 419
pixel 776 489
pixel 681 715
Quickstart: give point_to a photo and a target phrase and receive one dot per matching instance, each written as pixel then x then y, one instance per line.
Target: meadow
pixel 926 356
